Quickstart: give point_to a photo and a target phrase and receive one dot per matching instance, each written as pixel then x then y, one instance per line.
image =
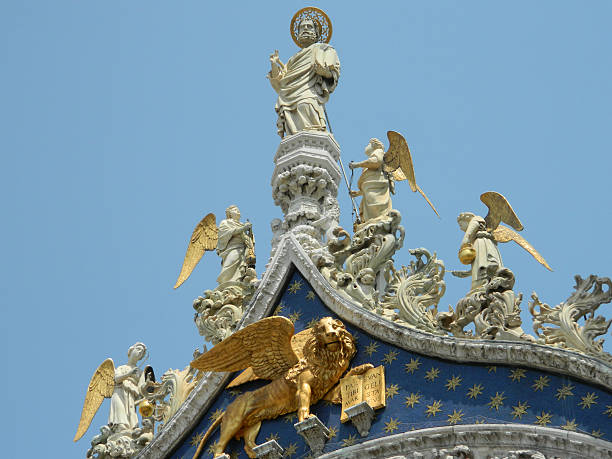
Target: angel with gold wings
pixel 381 170
pixel 233 240
pixel 479 244
pixel 124 385
pixel 303 367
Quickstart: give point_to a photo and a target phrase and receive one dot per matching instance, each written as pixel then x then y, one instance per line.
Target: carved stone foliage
pixel 494 309
pixel 114 442
pixel 362 265
pixel 564 330
pixel 219 311
pixel 362 270
pixel 168 396
pixel 305 186
pixel 413 293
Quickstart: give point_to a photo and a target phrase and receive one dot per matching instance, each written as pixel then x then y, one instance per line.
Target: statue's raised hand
pixel 274 57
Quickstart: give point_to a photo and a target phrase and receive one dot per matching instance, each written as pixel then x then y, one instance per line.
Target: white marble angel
pixel 380 171
pixel 481 235
pixel 233 241
pixel 124 385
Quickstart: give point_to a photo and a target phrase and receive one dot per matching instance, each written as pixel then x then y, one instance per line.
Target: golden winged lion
pixel 233 241
pixel 380 172
pixel 479 243
pixel 304 368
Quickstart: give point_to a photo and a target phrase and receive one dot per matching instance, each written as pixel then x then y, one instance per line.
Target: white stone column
pixel 305 184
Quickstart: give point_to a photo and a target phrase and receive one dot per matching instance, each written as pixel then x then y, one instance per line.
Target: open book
pixel 368 387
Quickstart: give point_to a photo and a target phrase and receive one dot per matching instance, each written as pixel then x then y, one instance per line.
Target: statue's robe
pixel 231 249
pixel 123 406
pixel 488 259
pixel 302 92
pixel 374 186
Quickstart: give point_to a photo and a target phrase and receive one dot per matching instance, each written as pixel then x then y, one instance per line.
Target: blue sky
pixel 123 123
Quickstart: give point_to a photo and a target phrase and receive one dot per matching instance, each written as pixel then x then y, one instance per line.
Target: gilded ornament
pixel 412 366
pixel 496 401
pixel 519 410
pixel 455 417
pixel 467 254
pixel 434 408
pixel 320 19
pixel 475 391
pixel 543 419
pixel 413 399
pixel 588 400
pixel 146 408
pixel 300 378
pixel 204 238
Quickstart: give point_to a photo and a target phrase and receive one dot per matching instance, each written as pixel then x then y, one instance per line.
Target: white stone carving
pixel 122 443
pixel 361 416
pixel 566 331
pixel 414 292
pixel 291 254
pixel 305 186
pixel 305 82
pixel 269 450
pixel 314 432
pixel 174 388
pixel 480 442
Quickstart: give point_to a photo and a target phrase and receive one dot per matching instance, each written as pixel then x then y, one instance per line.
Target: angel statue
pixel 233 240
pixel 125 385
pixel 305 82
pixel 304 368
pixel 479 243
pixel 380 171
pixel 491 303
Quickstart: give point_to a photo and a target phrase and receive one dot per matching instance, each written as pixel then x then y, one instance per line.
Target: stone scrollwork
pixel 362 265
pixel 219 311
pixel 123 444
pixel 168 395
pixel 565 331
pixel 494 309
pixel 412 291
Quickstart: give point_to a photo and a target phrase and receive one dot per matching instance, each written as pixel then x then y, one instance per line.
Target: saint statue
pixel 304 84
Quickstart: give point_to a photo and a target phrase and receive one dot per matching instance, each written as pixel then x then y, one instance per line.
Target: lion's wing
pixel 265 346
pixel 297 344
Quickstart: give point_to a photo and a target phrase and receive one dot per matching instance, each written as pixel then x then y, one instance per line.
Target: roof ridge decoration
pixel 291 255
pixel 355 275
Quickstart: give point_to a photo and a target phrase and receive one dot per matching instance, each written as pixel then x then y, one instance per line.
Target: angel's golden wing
pixel 500 210
pixel 265 346
pixel 100 387
pixel 398 163
pixel 204 238
pixel 297 344
pixel 504 234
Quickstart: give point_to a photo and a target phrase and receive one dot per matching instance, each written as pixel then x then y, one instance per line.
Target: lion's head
pixel 330 341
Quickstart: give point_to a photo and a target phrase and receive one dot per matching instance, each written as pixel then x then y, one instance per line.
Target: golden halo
pixel 320 19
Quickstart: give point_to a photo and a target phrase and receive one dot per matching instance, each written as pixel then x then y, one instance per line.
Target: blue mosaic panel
pixel 422 392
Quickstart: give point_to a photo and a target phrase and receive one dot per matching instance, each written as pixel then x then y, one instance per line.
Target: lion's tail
pixel 206 435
